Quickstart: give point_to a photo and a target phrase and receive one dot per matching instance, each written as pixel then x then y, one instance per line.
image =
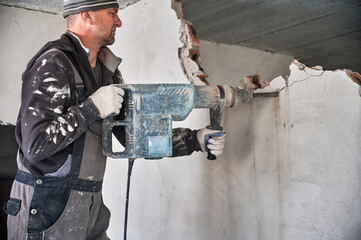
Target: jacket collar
pixel 109 59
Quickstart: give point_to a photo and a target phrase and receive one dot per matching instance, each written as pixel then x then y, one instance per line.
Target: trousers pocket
pixel 12 207
pixel 73 222
pixel 48 203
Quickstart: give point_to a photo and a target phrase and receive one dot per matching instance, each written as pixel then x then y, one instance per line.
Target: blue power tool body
pixel 149 110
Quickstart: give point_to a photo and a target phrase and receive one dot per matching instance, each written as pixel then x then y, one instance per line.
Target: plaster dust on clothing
pixel 63 125
pixel 36 112
pixel 57 110
pixel 50 79
pixel 59 93
pixel 43 62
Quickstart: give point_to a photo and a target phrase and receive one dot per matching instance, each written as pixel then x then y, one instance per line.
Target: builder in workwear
pixel 68 87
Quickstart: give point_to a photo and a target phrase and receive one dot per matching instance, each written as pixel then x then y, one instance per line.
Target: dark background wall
pixel 8 150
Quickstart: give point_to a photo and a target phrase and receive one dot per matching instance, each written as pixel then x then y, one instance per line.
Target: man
pixel 68 87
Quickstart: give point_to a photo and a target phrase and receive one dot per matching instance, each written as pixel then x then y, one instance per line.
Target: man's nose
pixel 118 22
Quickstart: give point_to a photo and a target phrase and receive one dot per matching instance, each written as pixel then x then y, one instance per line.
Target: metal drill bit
pixel 265 94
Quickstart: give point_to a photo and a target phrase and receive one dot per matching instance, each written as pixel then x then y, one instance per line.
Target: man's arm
pixel 49 121
pixel 186 141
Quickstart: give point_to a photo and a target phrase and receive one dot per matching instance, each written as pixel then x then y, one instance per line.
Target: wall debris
pixel 355 76
pixel 253 82
pixel 188 54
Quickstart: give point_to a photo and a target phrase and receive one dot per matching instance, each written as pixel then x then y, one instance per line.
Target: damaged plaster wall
pixel 290 169
pixel 298 160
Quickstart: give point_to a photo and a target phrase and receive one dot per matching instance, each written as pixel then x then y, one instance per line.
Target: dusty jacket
pixel 50 118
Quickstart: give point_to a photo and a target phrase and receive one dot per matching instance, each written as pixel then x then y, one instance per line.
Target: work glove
pixel 108 100
pixel 215 143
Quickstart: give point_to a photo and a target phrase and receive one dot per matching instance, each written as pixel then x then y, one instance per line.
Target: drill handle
pixel 207 137
pixel 216 118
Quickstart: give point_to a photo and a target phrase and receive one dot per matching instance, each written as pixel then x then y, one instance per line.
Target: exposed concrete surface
pixel 230 63
pixel 323 32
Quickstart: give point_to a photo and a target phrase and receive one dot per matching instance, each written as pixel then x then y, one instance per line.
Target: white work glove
pixel 214 144
pixel 108 100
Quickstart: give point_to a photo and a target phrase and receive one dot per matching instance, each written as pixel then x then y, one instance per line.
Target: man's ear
pixel 87 16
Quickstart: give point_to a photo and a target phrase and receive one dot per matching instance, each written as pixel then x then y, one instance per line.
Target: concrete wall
pixel 291 167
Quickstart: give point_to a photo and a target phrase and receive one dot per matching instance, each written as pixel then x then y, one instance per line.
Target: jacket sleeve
pixel 47 120
pixel 184 141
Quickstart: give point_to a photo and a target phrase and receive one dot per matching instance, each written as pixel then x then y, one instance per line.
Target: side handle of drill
pixel 216 118
pixel 217 98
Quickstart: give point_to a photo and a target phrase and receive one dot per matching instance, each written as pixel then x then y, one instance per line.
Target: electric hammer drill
pixel 151 108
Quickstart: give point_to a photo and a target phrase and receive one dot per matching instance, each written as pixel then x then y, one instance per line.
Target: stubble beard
pixel 105 39
pixel 108 40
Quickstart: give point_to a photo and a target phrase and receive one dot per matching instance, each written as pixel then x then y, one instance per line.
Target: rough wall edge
pixel 354 76
pixel 280 83
pixel 188 54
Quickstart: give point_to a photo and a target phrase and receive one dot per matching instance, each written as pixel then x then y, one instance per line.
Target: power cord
pixel 130 167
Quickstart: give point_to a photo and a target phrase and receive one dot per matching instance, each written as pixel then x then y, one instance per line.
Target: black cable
pixel 130 167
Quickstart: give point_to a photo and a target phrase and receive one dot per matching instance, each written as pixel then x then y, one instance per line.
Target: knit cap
pixel 77 6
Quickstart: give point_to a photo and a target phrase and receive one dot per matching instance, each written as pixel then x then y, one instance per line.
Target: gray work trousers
pixel 70 207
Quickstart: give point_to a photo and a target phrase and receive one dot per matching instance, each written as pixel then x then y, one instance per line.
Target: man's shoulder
pixel 51 58
pixel 52 50
pixel 51 66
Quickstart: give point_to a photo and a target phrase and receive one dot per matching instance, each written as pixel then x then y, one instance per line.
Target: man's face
pixel 106 22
